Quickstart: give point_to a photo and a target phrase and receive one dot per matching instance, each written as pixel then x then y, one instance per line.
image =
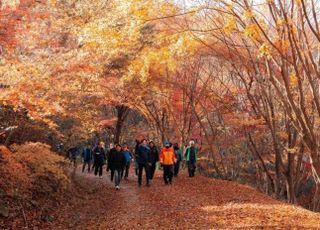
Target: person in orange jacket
pixel 167 160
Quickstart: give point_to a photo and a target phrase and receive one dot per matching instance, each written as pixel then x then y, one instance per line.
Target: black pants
pixel 191 168
pixel 126 171
pixel 84 165
pixel 176 168
pixel 98 168
pixel 152 170
pixel 167 173
pixel 136 169
pixel 112 174
pixel 146 169
pixel 93 166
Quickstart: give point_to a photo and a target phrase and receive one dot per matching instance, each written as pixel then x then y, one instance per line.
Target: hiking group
pixel 146 155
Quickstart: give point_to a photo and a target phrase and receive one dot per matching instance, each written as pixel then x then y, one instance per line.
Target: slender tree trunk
pixel 256 152
pixel 290 179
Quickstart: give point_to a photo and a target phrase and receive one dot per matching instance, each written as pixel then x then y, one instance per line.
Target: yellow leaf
pixel 293 79
pixel 248 14
pixel 264 51
pixel 230 25
pixel 252 31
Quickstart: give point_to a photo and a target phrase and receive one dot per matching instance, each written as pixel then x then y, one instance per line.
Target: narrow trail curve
pixel 190 203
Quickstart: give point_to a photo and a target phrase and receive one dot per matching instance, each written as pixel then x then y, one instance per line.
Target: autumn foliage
pixel 240 78
pixel 31 177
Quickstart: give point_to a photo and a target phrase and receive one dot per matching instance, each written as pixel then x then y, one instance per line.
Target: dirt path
pixel 190 203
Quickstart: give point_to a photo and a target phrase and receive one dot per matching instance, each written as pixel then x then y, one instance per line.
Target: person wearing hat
pixel 191 158
pixel 167 160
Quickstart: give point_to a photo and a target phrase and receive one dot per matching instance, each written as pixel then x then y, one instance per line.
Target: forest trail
pixel 190 203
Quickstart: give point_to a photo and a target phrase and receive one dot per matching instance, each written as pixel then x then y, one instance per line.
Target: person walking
pixel 154 158
pixel 86 157
pixel 136 157
pixel 116 164
pixel 110 149
pixel 99 159
pixel 191 158
pixel 128 158
pixel 73 153
pixel 167 160
pixel 178 155
pixel 143 157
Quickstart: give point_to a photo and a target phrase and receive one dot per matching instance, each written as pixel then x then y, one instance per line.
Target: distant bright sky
pixel 188 3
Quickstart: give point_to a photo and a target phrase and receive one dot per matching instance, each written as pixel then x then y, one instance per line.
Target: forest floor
pixel 189 203
pixel 38 192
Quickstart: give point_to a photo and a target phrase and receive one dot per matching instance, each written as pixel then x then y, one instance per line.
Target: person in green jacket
pixel 191 158
pixel 178 154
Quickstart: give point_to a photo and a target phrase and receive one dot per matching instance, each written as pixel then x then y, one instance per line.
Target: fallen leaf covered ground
pixel 190 203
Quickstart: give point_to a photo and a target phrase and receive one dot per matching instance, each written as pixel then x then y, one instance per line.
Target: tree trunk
pixel 256 152
pixel 122 113
pixel 291 195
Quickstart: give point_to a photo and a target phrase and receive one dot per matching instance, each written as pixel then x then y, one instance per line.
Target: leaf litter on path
pixel 189 203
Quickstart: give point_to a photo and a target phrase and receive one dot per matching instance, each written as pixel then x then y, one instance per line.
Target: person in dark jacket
pixel 143 161
pixel 178 155
pixel 136 157
pixel 99 159
pixel 87 158
pixel 154 158
pixel 73 153
pixel 116 164
pixel 111 149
